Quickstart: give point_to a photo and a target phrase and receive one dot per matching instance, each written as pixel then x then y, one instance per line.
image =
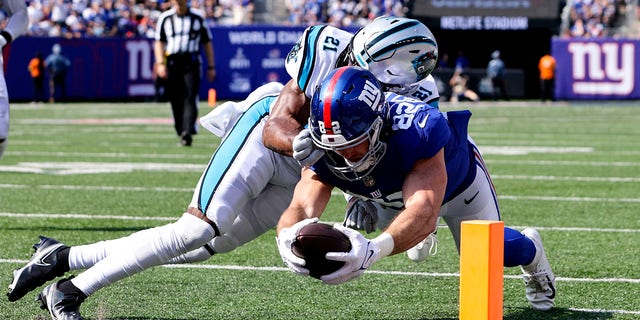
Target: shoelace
pixel 539 279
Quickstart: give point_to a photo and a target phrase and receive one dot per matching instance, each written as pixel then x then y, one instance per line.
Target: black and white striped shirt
pixel 182 34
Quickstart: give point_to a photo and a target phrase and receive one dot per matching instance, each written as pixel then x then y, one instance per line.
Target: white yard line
pixel 398 273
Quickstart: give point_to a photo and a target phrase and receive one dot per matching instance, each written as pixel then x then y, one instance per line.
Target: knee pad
pixel 192 232
pixel 224 243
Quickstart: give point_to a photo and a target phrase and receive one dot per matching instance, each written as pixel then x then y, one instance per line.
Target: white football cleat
pixel 540 282
pixel 424 249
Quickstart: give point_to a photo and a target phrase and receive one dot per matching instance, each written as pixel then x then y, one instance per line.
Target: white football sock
pixel 155 248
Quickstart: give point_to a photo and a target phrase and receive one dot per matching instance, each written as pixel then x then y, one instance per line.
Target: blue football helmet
pixel 346 110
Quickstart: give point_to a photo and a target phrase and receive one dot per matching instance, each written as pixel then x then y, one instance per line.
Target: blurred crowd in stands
pixel 137 18
pixel 342 13
pixel 596 18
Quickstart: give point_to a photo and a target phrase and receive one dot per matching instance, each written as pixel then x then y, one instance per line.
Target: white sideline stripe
pixel 112 155
pixel 82 216
pixel 116 217
pixel 525 150
pixel 111 188
pixel 185 156
pixel 567 163
pixel 575 199
pixel 556 178
pixel 100 188
pixel 604 311
pixel 396 273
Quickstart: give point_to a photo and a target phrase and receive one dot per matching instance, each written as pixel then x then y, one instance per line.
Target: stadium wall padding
pixel 249 56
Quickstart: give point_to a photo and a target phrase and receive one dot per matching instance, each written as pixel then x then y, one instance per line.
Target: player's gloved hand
pixel 285 239
pixel 361 215
pixel 362 255
pixel 304 150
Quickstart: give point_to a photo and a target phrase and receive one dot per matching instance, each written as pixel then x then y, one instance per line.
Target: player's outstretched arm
pixel 423 192
pixel 287 117
pixel 310 198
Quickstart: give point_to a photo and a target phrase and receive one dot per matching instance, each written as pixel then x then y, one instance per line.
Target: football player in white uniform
pixel 240 195
pixel 400 52
pixel 15 27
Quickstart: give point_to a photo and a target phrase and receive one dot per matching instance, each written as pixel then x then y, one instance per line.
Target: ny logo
pixel 603 68
pixel 370 95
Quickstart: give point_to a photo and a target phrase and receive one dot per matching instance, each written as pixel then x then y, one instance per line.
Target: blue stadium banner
pixel 250 56
pixel 597 69
pixel 122 69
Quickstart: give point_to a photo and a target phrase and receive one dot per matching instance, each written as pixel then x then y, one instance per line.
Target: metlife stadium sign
pixel 488 14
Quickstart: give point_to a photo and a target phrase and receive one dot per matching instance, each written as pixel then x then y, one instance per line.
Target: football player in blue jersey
pixel 400 52
pixel 416 162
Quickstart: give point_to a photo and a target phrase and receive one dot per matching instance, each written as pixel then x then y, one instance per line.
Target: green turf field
pixel 87 172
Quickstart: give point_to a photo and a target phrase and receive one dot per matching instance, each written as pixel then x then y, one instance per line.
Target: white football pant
pixel 244 190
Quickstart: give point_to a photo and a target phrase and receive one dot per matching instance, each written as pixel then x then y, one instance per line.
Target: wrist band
pixel 385 243
pixel 6 35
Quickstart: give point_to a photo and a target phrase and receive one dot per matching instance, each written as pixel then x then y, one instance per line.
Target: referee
pixel 180 35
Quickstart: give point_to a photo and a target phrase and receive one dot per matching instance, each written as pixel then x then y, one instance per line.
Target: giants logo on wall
pixel 597 69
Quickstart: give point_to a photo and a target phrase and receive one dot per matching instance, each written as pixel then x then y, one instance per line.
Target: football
pixel 314 241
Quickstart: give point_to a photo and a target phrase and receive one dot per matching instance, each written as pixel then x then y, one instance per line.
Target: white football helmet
pixel 398 51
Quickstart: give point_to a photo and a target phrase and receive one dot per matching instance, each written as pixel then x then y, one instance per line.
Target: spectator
pixel 177 55
pixel 459 88
pixel 443 61
pixel 461 61
pixel 36 70
pixel 547 68
pixel 496 72
pixel 57 66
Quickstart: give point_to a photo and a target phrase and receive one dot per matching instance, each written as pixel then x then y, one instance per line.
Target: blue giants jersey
pixel 413 131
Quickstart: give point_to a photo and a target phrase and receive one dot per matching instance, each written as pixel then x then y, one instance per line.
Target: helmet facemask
pixel 353 170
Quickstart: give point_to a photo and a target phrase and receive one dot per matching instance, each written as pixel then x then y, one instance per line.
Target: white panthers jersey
pixel 316 54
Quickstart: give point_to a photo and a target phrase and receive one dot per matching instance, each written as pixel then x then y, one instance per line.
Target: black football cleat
pixel 42 267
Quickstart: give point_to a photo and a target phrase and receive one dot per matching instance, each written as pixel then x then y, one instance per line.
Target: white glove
pixel 304 150
pixel 361 215
pixel 285 239
pixel 362 255
pixel 3 41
